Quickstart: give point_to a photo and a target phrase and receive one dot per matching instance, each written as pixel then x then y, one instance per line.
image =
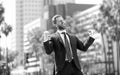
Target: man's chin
pixel 61 28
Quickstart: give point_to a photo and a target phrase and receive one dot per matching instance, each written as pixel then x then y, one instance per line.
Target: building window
pixel 48 2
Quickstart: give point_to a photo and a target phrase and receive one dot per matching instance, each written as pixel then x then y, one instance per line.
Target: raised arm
pixel 85 46
pixel 82 46
pixel 48 43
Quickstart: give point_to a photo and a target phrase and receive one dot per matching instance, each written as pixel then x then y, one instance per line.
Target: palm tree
pixel 110 10
pixel 1 15
pixel 6 29
pixel 33 37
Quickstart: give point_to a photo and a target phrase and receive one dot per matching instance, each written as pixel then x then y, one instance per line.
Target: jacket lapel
pixel 59 38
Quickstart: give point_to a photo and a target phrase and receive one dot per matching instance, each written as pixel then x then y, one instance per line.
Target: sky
pixel 10 15
pixel 88 1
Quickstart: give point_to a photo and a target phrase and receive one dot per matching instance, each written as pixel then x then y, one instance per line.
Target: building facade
pixel 26 12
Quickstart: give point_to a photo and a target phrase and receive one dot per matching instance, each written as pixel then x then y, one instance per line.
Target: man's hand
pixel 92 33
pixel 46 36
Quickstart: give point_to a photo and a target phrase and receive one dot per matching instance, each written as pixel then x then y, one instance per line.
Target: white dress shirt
pixel 62 36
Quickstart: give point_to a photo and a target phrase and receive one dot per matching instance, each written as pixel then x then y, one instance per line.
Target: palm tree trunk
pixel 6 57
pixel 118 58
pixel 103 41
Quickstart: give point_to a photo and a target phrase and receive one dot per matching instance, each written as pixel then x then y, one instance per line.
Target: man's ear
pixel 55 22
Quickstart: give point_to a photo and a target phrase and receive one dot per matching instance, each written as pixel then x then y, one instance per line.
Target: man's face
pixel 60 23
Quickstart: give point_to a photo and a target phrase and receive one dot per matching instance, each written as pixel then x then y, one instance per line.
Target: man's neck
pixel 60 31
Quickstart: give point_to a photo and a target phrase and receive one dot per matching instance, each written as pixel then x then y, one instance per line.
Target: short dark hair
pixel 54 18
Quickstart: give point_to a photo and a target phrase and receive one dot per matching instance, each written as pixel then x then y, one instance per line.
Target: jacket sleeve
pixel 85 46
pixel 48 45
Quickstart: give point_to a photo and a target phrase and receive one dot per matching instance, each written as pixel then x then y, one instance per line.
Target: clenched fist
pixel 92 33
pixel 46 36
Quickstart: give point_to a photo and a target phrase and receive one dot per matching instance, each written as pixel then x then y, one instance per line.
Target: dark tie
pixel 67 46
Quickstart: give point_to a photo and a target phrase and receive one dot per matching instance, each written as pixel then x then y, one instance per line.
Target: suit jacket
pixel 56 44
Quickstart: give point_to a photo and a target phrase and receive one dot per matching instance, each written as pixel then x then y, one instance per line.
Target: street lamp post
pixel 117 37
pixel 118 48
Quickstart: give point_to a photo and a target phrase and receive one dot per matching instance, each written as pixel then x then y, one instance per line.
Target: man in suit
pixel 65 48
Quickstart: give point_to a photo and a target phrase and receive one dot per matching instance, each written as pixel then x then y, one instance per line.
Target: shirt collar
pixel 60 31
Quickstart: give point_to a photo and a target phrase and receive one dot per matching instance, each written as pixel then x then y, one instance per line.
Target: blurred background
pixel 22 23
